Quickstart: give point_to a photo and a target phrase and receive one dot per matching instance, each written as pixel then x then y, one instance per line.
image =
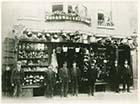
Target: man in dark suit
pixel 64 76
pixel 49 81
pixel 75 75
pixel 126 74
pixel 6 78
pixel 17 79
pixel 92 75
pixel 116 77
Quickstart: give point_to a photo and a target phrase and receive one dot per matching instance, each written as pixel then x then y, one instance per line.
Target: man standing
pixel 117 77
pixel 64 78
pixel 75 75
pixel 6 78
pixel 92 75
pixel 49 81
pixel 126 74
pixel 17 79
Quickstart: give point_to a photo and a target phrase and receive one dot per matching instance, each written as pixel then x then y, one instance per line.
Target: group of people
pixel 65 77
pixel 122 75
pixel 71 75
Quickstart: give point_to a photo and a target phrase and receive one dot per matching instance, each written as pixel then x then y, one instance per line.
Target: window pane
pixel 100 16
pixel 70 9
pixel 57 8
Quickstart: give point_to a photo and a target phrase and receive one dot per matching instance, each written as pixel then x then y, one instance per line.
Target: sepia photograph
pixel 69 52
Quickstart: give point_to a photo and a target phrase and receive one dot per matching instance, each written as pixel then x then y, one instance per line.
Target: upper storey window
pixel 58 7
pixel 104 19
pixel 68 12
pixel 100 16
pixel 70 9
pixel 79 10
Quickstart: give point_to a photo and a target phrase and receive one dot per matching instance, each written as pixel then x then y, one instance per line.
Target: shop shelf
pixel 32 50
pixel 34 65
pixel 31 86
pixel 31 58
pixel 34 71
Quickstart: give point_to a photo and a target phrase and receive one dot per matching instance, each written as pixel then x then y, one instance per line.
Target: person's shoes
pixel 123 90
pixel 89 94
pixel 129 91
pixel 117 91
pixel 65 96
pixel 92 94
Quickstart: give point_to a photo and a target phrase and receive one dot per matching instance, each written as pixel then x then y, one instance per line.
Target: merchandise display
pixel 36 55
pixel 34 59
pixel 33 80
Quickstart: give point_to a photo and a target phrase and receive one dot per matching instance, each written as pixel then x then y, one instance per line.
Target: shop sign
pixel 66 17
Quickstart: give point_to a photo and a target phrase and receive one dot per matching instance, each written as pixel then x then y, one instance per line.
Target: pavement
pixel 107 97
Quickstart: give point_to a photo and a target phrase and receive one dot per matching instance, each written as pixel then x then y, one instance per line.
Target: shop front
pixel 37 50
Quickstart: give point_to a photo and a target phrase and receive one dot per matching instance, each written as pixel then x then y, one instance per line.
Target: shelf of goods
pixel 34 58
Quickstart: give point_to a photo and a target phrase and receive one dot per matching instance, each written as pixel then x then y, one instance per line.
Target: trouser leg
pixel 62 89
pixel 77 88
pixel 51 92
pixel 66 89
pixel 124 84
pixel 117 86
pixel 19 90
pixel 128 85
pixel 92 89
pixel 46 90
pixel 73 88
pixel 15 91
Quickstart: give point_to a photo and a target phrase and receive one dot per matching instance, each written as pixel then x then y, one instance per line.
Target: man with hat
pixel 17 79
pixel 92 75
pixel 126 74
pixel 64 76
pixel 116 76
pixel 75 76
pixel 49 81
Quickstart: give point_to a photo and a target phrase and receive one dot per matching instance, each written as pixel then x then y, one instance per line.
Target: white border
pixel 73 1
